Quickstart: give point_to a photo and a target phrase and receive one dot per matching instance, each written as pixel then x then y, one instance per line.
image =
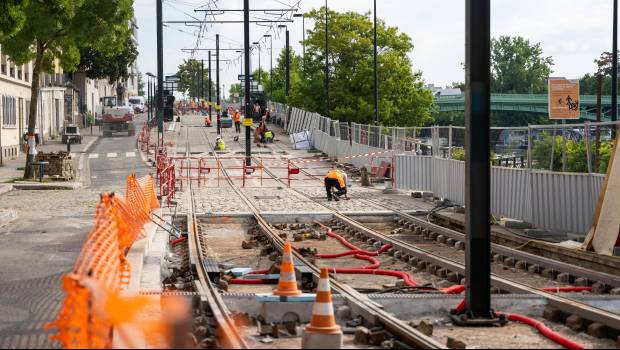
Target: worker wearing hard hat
pixel 336 185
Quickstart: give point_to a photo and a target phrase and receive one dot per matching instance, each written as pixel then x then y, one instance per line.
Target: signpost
pixel 563 99
pixel 242 77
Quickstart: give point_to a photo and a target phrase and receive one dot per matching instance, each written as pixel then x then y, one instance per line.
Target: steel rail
pixel 588 312
pixel 227 333
pixel 608 279
pixel 360 303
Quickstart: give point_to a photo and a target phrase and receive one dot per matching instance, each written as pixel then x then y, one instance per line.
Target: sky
pixel 573 32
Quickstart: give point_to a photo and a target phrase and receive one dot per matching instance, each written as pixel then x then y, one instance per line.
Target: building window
pixel 3 64
pixel 9 112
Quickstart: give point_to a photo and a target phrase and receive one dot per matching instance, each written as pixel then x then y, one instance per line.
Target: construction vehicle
pixel 116 118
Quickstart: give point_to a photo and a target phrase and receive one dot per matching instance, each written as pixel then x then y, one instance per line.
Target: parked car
pixel 71 133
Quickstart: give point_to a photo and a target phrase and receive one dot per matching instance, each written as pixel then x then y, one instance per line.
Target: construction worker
pixel 237 120
pixel 219 144
pixel 336 185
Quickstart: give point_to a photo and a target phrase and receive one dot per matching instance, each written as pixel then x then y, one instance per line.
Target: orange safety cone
pixel 322 332
pixel 287 284
pixel 323 320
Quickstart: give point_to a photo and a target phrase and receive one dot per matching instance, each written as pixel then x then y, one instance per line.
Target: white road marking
pixel 93 156
pixel 112 155
pixel 130 154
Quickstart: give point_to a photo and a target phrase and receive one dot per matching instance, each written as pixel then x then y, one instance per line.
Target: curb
pixel 81 162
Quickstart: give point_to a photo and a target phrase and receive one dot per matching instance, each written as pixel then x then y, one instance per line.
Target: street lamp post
pixel 303 43
pixel 271 66
pixel 326 61
pixel 614 70
pixel 376 72
pixel 248 111
pixel 217 78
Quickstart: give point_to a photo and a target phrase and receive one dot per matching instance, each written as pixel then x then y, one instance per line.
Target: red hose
pixel 454 289
pixel 544 330
pixel 177 241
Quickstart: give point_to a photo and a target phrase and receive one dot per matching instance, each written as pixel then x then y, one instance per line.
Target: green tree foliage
pixel 279 77
pixel 113 66
pixel 141 85
pixel 402 97
pixel 12 16
pixel 190 83
pixel 518 66
pixel 576 154
pixel 55 29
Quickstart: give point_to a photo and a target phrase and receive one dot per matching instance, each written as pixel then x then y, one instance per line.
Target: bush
pixel 576 154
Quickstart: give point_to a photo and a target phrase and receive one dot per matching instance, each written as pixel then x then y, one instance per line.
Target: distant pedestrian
pixel 237 120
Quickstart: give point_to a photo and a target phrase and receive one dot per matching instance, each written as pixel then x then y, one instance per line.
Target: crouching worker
pixel 268 136
pixel 336 185
pixel 219 144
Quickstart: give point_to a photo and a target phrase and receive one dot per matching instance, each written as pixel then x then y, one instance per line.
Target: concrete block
pixel 533 269
pixel 549 273
pixel 521 265
pixel 460 245
pixel 510 262
pixel 581 282
pixel 563 277
pixel 311 340
pixel 450 241
pixel 552 314
pixel 377 337
pixel 455 344
pixel 597 330
pixel 441 239
pixel 361 335
pixel 599 288
pixel 575 323
pixel 515 224
pixel 276 312
pixel 344 312
pixel 425 328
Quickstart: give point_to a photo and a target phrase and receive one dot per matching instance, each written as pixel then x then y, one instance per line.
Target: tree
pixel 12 16
pixel 103 64
pixel 402 97
pixel 190 83
pixel 54 29
pixel 518 67
pixel 576 154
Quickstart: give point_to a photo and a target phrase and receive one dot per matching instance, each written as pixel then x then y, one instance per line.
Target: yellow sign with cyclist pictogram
pixel 564 99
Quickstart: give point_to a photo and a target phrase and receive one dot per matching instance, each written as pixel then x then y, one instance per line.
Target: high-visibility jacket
pixel 237 117
pixel 337 175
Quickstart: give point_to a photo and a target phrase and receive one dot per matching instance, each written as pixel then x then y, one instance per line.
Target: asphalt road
pixel 44 242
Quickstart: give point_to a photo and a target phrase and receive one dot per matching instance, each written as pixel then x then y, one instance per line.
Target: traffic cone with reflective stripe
pixel 323 332
pixel 323 320
pixel 287 285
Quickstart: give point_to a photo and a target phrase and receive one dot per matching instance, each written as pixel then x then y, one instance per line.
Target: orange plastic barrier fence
pixel 101 270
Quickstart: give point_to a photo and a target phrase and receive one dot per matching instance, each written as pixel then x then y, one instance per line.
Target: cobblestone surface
pixel 283 200
pixel 218 200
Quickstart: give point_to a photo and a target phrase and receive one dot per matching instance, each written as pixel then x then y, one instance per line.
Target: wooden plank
pixel 607 218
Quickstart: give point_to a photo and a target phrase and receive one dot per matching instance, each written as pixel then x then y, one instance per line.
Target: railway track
pixel 227 334
pixel 360 303
pixel 410 253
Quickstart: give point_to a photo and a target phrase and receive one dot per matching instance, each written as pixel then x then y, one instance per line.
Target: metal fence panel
pixel 564 201
pixel 511 193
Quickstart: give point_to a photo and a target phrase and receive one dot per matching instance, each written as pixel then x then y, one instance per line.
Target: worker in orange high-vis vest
pixel 237 120
pixel 336 185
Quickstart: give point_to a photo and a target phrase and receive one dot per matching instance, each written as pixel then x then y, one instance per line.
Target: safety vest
pixel 221 145
pixel 337 175
pixel 237 117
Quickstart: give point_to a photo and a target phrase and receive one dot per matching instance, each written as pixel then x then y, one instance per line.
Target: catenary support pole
pixel 210 94
pixel 477 173
pixel 160 73
pixel 218 107
pixel 248 110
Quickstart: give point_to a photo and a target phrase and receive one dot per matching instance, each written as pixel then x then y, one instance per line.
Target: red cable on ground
pixel 569 289
pixel 546 331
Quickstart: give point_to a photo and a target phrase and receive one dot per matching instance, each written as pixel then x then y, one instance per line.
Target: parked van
pixel 138 103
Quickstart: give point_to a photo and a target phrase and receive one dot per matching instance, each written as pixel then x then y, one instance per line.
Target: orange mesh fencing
pixel 101 270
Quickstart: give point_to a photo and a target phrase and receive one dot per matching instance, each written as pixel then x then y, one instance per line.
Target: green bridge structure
pixel 527 103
